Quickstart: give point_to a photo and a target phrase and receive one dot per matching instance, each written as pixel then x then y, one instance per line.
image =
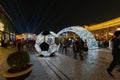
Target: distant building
pixel 104 30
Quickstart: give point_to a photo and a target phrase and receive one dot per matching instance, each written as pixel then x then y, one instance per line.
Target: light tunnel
pixel 82 33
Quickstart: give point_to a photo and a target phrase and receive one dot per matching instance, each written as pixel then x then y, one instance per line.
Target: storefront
pixel 7 28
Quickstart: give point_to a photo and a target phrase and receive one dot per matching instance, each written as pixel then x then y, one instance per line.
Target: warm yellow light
pixel 118 29
pixel 1 26
pixel 69 39
pixel 107 24
pixel 110 33
pixel 18 36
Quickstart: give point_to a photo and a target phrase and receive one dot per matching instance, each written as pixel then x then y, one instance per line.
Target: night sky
pixel 35 16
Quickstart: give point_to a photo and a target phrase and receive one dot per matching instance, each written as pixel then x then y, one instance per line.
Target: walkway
pixel 62 67
pixel 4 52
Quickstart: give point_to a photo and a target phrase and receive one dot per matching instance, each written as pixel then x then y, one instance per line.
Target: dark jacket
pixel 115 47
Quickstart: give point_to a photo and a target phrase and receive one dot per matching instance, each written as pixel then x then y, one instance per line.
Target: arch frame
pixel 82 33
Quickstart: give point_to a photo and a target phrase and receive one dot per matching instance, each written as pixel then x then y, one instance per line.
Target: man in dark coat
pixel 115 53
pixel 79 48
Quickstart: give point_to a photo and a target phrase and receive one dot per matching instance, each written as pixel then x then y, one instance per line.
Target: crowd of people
pixel 77 46
pixel 20 43
pixel 8 43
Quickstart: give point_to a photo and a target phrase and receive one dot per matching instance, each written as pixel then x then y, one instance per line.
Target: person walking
pixel 64 46
pixel 75 50
pixel 115 53
pixel 5 43
pixel 81 49
pixel 78 48
pixel 19 45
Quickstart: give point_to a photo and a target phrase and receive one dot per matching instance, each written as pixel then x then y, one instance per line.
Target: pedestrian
pixel 5 43
pixel 81 49
pixel 74 46
pixel 85 46
pixel 19 44
pixel 115 53
pixel 64 46
pixel 78 47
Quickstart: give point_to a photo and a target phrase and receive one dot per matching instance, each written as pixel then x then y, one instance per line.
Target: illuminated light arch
pixel 82 33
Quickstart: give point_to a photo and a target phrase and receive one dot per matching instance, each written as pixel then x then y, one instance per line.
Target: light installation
pixel 82 33
pixel 45 44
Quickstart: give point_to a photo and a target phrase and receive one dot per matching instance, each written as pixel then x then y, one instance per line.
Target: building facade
pixel 7 28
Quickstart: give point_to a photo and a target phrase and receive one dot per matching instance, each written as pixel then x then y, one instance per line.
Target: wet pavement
pixel 65 67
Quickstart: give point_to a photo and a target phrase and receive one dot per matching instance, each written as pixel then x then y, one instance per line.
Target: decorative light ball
pixel 45 43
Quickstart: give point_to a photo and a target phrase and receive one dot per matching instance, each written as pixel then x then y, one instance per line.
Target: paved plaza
pixel 65 67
